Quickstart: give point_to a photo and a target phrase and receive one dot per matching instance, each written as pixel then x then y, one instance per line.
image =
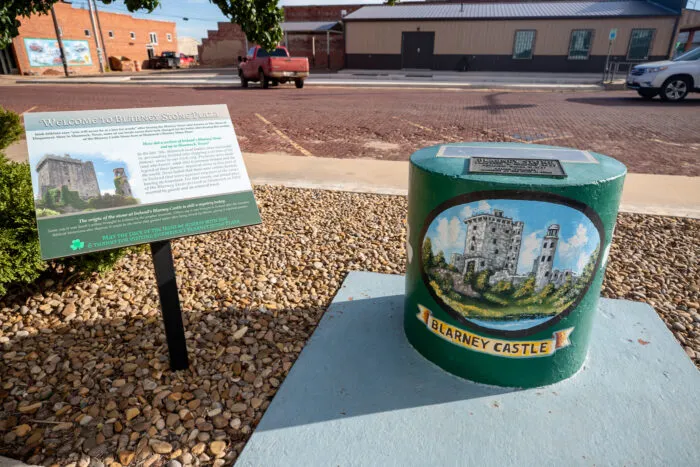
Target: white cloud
pixel 467 211
pixel 581 263
pixel 100 173
pixel 107 192
pixel 529 250
pixel 448 233
pixel 569 248
pixel 484 206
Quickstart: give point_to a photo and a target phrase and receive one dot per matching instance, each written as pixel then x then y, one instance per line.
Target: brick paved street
pixel 649 137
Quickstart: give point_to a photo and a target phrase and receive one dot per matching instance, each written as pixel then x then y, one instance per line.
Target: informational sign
pixel 613 34
pixel 515 166
pixel 45 52
pixel 112 178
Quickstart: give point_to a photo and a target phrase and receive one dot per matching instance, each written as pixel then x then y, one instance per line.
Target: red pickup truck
pixel 272 67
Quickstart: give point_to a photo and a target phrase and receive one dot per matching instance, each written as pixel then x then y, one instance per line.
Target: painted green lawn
pixel 473 308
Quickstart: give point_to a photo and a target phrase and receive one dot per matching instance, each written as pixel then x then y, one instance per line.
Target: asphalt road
pixel 649 137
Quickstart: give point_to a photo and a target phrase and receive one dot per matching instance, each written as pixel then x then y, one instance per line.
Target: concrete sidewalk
pixel 367 78
pixel 665 195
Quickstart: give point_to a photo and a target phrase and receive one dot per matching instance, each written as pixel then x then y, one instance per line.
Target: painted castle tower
pixel 121 183
pixel 542 265
pixel 492 242
pixel 58 171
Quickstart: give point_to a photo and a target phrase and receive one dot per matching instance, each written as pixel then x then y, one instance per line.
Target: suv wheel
pixel 675 89
pixel 647 94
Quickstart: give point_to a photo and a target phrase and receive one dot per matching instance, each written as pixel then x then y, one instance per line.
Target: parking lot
pixel 649 137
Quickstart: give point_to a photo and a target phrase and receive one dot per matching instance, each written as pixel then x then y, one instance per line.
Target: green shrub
pixel 20 257
pixel 10 128
pixel 46 212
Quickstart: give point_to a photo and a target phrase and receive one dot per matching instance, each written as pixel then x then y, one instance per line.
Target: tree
pixel 259 19
pixel 440 260
pixel 482 280
pixel 526 289
pixel 427 253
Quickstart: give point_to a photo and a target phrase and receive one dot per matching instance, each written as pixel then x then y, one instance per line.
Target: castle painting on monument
pixel 509 264
pixel 66 184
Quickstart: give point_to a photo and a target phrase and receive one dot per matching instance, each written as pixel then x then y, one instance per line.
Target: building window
pixel 495 251
pixel 87 32
pixel 542 259
pixel 154 37
pixel 580 45
pixel 472 248
pixel 169 37
pixel 482 263
pixel 549 259
pixel 132 35
pixel 493 229
pixel 110 33
pixel 523 44
pixel 494 241
pixel 546 274
pixel 640 44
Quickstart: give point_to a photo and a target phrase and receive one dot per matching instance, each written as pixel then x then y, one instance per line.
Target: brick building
pixel 35 50
pixel 313 31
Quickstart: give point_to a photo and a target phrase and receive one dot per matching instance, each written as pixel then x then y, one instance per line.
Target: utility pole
pixel 97 41
pixel 102 37
pixel 59 40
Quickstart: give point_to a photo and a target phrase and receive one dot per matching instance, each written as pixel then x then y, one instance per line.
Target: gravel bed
pixel 84 377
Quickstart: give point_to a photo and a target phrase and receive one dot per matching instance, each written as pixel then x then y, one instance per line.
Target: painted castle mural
pixel 509 264
pixel 68 185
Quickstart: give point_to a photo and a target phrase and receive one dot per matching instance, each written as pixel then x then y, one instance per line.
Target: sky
pixel 578 236
pixel 202 14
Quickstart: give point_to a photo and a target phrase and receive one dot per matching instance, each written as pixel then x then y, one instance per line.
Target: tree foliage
pixel 259 19
pixel 427 253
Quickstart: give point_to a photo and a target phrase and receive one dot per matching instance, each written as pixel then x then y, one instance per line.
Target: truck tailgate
pixel 299 64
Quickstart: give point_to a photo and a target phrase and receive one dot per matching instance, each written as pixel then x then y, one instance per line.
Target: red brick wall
pixel 317 12
pixel 300 45
pixel 223 46
pixel 74 21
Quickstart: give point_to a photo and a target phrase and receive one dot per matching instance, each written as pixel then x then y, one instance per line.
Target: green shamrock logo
pixel 77 245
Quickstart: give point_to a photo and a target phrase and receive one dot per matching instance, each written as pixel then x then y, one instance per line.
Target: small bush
pixel 10 128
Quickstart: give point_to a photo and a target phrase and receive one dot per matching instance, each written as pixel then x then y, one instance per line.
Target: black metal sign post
pixel 170 304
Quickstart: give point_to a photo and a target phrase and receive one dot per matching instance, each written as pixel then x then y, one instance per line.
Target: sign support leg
pixel 170 304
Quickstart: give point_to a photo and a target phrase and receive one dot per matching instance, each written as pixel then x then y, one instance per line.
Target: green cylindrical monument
pixel 507 247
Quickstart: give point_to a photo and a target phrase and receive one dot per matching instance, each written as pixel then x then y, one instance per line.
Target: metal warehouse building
pixel 553 37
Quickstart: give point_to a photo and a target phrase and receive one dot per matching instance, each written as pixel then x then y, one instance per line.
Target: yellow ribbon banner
pixel 501 348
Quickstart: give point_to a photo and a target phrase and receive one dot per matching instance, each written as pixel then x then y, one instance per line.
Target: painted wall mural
pixel 45 52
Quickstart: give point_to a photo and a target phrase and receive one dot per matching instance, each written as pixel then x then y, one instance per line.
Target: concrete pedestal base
pixel 359 394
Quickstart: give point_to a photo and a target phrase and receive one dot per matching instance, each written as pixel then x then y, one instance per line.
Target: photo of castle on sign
pixel 509 264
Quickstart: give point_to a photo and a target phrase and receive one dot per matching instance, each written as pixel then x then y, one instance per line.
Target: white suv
pixel 672 80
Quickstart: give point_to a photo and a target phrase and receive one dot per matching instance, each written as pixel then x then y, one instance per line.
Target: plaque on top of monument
pixel 106 179
pixel 507 248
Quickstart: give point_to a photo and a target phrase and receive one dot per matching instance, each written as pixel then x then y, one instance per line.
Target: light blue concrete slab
pixel 359 394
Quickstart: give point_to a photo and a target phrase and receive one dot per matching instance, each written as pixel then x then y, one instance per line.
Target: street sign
pixel 107 179
pixel 613 34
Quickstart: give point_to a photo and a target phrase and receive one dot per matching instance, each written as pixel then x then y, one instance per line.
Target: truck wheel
pixel 264 83
pixel 244 82
pixel 299 83
pixel 675 89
